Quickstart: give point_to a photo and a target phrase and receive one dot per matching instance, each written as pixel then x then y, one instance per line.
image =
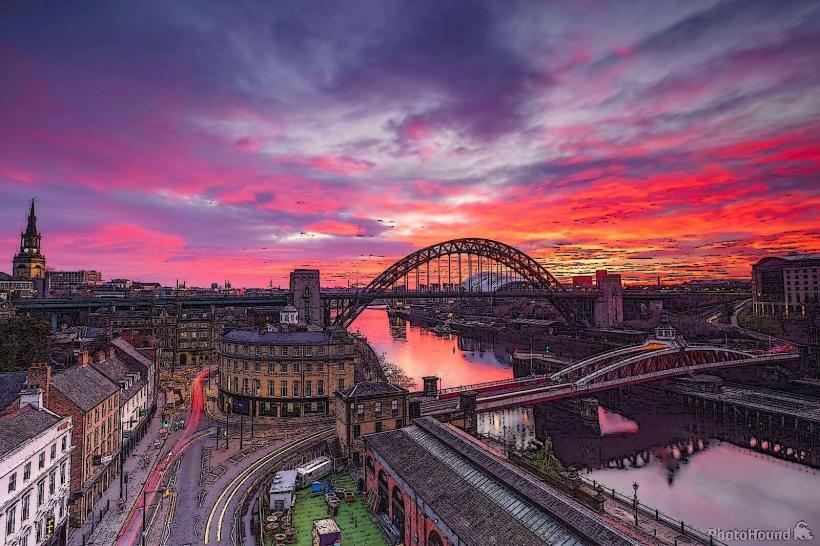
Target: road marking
pixel 242 477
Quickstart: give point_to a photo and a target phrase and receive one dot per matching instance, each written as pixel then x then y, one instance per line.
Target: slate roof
pixel 483 499
pixel 370 389
pixel 296 338
pixel 22 425
pixel 11 383
pixel 116 370
pixel 84 386
pixel 132 352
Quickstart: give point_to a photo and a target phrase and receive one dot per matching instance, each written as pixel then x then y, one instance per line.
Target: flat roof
pixel 283 482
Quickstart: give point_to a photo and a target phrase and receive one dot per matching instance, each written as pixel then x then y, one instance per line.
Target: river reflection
pixel 709 473
pixel 421 352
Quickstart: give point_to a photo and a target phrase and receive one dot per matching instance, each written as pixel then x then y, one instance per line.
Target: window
pixel 38 531
pixel 64 443
pixel 41 460
pixel 245 385
pixel 24 507
pixel 342 366
pixel 296 351
pixel 297 367
pixel 244 365
pixel 27 470
pixel 378 409
pixel 321 352
pixel 271 389
pixel 320 387
pixel 399 423
pixel 283 387
pixel 257 367
pixel 256 387
pixel 296 388
pixel 341 384
pixel 13 482
pixel 378 426
pixel 308 351
pixel 394 405
pixel 52 482
pixel 308 388
pixel 284 367
pixel 284 352
pixel 270 368
pixel 62 474
pixel 53 452
pixel 11 519
pixel 357 431
pixel 320 367
pixel 308 367
pixel 360 409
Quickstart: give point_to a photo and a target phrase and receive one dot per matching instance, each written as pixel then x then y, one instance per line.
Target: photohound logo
pixel 801 532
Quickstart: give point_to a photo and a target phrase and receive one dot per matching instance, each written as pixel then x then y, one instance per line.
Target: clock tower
pixel 30 263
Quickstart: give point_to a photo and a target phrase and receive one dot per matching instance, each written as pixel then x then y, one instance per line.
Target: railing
pixel 496 383
pixel 648 511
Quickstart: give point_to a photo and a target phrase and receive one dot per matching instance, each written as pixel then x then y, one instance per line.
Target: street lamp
pixel 166 492
pixel 635 501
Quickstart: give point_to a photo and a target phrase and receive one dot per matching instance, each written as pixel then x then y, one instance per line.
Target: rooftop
pixel 482 498
pixel 11 383
pixel 132 352
pixel 296 338
pixel 22 425
pixel 283 482
pixel 116 370
pixel 84 386
pixel 368 389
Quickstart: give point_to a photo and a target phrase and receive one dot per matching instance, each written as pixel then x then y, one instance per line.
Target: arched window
pixel 397 500
pixel 383 494
pixel 434 539
pixel 306 292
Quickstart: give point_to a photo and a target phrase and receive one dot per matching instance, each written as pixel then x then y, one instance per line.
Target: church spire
pixel 31 227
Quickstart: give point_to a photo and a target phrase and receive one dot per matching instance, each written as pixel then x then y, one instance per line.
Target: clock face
pixel 25 250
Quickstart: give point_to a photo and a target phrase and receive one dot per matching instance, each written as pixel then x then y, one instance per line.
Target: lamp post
pixel 143 531
pixel 635 501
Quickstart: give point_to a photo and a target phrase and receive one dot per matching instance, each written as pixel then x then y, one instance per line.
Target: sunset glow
pixel 198 142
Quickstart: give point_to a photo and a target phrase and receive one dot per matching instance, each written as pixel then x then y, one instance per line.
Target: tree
pixel 394 374
pixel 23 341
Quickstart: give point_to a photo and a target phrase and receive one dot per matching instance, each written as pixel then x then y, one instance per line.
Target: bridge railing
pixel 496 383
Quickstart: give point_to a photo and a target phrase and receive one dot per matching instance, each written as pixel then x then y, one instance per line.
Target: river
pixel 707 474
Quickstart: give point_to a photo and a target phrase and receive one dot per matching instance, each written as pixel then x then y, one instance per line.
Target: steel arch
pixel 519 262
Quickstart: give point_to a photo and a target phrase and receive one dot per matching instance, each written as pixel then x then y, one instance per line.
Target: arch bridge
pixel 457 268
pixel 652 361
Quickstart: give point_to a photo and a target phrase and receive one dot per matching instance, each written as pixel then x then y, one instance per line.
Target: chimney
pixel 31 397
pixel 111 351
pixel 100 356
pixel 83 358
pixel 38 378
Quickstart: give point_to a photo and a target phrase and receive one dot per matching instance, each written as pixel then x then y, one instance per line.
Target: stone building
pixel 306 290
pixel 366 408
pixel 786 285
pixel 29 262
pixel 284 370
pixel 35 471
pixel 93 403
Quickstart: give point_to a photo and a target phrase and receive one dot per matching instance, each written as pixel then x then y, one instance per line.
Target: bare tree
pixel 394 374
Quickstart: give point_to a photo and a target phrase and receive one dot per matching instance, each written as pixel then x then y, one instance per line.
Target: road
pixel 131 530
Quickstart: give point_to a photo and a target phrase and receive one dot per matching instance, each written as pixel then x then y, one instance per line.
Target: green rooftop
pixel 353 518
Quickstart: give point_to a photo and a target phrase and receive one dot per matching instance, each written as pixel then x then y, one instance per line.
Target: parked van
pixel 312 471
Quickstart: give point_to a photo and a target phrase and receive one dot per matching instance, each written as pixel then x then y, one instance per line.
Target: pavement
pixel 103 530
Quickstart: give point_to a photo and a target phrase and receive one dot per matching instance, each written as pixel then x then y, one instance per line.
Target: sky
pixel 207 141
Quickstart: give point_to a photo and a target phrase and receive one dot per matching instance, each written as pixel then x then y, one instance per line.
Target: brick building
pixel 93 403
pixel 436 485
pixel 366 408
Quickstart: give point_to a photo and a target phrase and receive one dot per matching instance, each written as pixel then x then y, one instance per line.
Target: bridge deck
pixel 770 401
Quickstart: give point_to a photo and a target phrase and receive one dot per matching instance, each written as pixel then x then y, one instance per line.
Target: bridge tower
pixel 306 290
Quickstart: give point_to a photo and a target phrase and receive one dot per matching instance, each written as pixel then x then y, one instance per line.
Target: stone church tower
pixel 30 263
